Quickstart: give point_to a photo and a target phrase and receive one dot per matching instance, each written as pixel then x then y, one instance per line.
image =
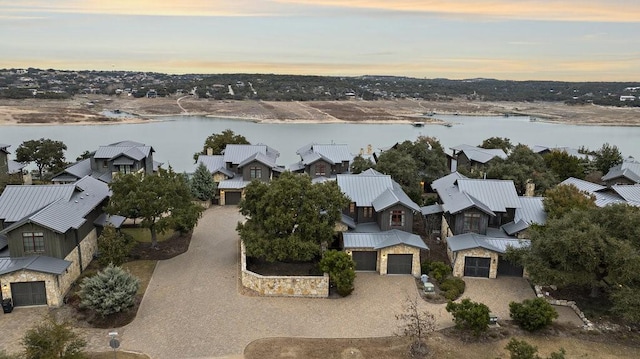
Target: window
pixel 397 219
pixel 255 172
pixel 321 169
pixel 124 169
pixel 368 212
pixel 352 207
pixel 33 242
pixel 471 223
pixel 105 164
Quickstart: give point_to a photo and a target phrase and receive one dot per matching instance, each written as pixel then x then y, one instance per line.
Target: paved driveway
pixel 193 309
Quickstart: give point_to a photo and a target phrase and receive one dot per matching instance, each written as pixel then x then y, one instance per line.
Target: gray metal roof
pixel 367 227
pixel 382 239
pixel 259 157
pixel 478 154
pixel 237 154
pixel 392 197
pixel 568 150
pixel 498 195
pixel 363 189
pixel 17 201
pixel 629 168
pixel 455 201
pixel 77 170
pixel 337 153
pixel 371 172
pixel 135 152
pixel 233 184
pixel 603 198
pixel 3 147
pixel 446 181
pixel 630 193
pixel 65 212
pixel 432 209
pixel 583 185
pixel 295 167
pixel 42 264
pixel 512 228
pixel 475 240
pixel 127 143
pixel 113 220
pixel 15 166
pixel 214 164
pixel 348 221
pixel 123 161
pixel 531 210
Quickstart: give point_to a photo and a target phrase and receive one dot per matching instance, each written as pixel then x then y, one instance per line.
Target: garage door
pixel 28 293
pixel 506 268
pixel 232 198
pixel 365 260
pixel 476 267
pixel 399 263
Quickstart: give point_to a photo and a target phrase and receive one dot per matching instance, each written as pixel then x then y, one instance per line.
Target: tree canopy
pixel 162 201
pixel 523 166
pixel 564 165
pixel 202 185
pixel 47 154
pixel 290 219
pixel 361 164
pixel 502 143
pixel 606 157
pixel 563 199
pixel 218 141
pixel 53 339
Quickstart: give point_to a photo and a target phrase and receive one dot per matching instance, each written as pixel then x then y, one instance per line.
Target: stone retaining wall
pixel 565 303
pixel 283 286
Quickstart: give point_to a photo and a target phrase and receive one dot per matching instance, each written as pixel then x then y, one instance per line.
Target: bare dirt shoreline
pixel 86 110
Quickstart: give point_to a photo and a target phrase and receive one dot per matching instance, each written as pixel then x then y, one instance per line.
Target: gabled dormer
pixel 323 160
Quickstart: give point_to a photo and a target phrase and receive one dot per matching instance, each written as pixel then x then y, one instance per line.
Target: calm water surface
pixel 176 138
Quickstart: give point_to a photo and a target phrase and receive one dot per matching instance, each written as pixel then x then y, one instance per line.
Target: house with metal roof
pixel 48 237
pixel 604 196
pixel 478 220
pixel 120 157
pixel 10 170
pixel 378 224
pixel 543 150
pixel 471 158
pixel 323 160
pixel 628 172
pixel 243 164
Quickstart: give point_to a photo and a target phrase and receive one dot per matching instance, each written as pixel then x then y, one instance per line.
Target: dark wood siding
pixel 458 226
pixel 53 242
pixel 384 218
pixel 312 169
pixel 265 171
pixel 362 218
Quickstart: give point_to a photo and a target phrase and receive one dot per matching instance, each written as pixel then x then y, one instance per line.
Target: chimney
pixel 530 189
pixel 209 151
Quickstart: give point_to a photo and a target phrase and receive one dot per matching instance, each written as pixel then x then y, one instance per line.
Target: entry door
pixel 399 263
pixel 28 293
pixel 477 267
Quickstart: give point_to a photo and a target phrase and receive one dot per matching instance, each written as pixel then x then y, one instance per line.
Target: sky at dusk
pixel 586 40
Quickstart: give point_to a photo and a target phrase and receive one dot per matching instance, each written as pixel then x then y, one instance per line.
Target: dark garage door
pixel 28 293
pixel 399 263
pixel 231 198
pixel 506 268
pixel 365 260
pixel 476 267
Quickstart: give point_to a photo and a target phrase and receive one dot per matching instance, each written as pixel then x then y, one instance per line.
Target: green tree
pixel 523 166
pixel 218 141
pixel 341 269
pixel 532 314
pixel 564 165
pixel 202 185
pixel 502 143
pixel 520 349
pixel 113 246
pixel 470 315
pixel 111 290
pixel 403 169
pixel 290 218
pixel 563 199
pixel 51 339
pixel 606 157
pixel 361 164
pixel 45 153
pixel 84 155
pixel 416 325
pixel 162 201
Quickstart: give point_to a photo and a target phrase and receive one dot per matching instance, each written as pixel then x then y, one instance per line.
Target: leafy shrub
pixel 111 290
pixel 452 288
pixel 532 314
pixel 425 267
pixel 51 339
pixel 469 315
pixel 341 269
pixel 520 349
pixel 113 246
pixel 439 271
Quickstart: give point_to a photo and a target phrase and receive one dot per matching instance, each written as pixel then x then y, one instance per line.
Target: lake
pixel 176 138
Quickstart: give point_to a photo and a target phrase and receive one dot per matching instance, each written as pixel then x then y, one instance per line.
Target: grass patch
pixel 120 355
pixel 143 235
pixel 143 270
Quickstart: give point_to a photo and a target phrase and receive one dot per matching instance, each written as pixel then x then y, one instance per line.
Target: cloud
pixel 551 10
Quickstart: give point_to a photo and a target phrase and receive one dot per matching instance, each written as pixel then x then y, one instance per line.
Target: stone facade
pixel 89 248
pixel 54 298
pixel 222 199
pixel 399 249
pixel 458 259
pixel 283 286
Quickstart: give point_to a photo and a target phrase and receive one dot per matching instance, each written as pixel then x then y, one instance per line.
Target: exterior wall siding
pixel 383 256
pixel 361 217
pixel 54 298
pixel 384 218
pixel 89 248
pixel 312 168
pixel 53 242
pixel 459 221
pixel 378 264
pixel 265 175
